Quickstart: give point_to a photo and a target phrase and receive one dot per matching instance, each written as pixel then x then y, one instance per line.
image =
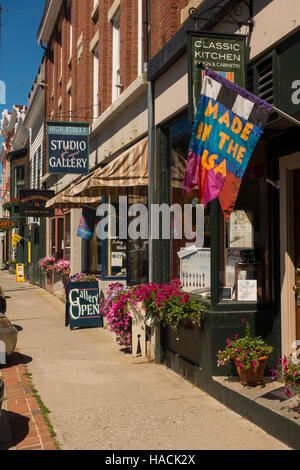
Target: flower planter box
pixel 138 316
pixel 187 344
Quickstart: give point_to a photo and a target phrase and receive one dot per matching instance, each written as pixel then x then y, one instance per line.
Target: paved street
pixel 101 398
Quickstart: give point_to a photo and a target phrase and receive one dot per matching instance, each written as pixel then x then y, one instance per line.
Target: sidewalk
pixel 29 430
pixel 101 398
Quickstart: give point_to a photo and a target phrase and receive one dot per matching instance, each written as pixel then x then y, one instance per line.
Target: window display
pixel 244 243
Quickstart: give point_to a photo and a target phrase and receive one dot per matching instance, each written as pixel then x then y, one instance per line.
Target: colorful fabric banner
pixel 87 223
pixel 227 127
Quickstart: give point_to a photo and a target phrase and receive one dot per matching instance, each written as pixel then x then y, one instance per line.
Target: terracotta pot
pixel 66 271
pixel 254 375
pixel 50 267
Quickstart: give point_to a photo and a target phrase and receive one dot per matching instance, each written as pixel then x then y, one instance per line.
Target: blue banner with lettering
pixel 87 223
pixel 68 148
pixel 83 305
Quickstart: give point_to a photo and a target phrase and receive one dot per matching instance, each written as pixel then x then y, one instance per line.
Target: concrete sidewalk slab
pixel 102 398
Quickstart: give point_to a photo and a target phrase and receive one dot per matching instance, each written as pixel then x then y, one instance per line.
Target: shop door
pixel 297 249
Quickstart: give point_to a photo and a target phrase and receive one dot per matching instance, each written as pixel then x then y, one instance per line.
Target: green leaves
pixel 245 351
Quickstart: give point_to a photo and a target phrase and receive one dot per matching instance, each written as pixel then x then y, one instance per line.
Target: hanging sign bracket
pixel 238 12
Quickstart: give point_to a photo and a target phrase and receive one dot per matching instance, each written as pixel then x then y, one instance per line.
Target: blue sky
pixel 20 53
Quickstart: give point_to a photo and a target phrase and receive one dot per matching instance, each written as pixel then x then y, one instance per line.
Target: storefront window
pixel 118 255
pixel 189 264
pixel 60 235
pixel 95 253
pixel 137 248
pixel 243 260
pixel 68 236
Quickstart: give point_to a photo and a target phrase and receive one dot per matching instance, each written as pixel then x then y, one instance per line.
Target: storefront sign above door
pixel 68 147
pixel 224 54
pixel 33 203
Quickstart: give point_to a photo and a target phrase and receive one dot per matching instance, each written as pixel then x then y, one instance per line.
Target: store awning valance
pixel 64 200
pixel 128 170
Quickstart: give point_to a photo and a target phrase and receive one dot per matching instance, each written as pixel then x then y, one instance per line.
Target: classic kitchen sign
pixel 83 305
pixel 68 147
pixel 32 203
pixel 224 54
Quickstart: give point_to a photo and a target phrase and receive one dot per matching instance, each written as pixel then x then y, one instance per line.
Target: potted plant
pixel 249 354
pixel 46 264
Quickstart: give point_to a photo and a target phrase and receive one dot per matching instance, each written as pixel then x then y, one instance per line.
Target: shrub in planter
pixel 249 354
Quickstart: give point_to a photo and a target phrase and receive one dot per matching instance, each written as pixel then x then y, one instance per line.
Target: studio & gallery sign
pixel 224 54
pixel 68 147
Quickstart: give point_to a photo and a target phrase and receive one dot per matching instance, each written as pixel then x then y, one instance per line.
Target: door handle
pixel 296 288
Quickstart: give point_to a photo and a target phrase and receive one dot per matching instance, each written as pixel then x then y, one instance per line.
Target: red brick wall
pixel 165 18
pixel 81 71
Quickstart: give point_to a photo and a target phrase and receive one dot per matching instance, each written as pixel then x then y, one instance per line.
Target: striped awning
pixel 64 199
pixel 130 169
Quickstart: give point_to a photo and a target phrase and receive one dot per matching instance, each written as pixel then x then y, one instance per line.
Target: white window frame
pixel 95 53
pixel 116 56
pixel 140 37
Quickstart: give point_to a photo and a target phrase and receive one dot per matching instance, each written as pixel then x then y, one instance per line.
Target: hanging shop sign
pixel 224 54
pixel 6 224
pixel 15 239
pixel 32 203
pixel 68 147
pixel 83 305
pixel 87 223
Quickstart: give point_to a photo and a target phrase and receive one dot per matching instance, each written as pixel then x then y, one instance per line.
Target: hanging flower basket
pixel 62 267
pixel 47 264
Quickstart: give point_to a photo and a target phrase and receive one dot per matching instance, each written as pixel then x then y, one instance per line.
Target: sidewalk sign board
pixel 20 272
pixel 83 305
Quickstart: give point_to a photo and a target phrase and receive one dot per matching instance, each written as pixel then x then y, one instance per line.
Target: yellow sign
pixel 15 239
pixel 20 272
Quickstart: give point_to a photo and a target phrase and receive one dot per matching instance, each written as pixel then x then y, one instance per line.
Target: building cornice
pixel 49 18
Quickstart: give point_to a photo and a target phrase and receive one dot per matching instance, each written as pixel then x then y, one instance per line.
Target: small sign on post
pixel 20 272
pixel 83 305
